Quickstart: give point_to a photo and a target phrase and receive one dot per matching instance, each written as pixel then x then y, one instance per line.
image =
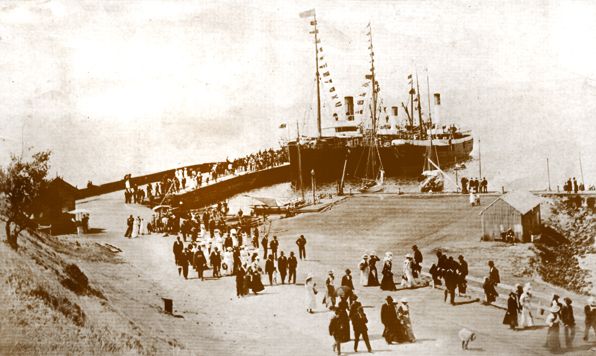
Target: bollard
pixel 168 305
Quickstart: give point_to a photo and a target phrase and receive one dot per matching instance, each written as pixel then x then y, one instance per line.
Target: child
pixel 466 336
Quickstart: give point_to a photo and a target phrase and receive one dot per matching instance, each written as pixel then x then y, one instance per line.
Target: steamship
pixel 403 146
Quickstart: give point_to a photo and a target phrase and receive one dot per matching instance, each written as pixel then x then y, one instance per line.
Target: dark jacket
pixel 292 262
pixel 273 245
pixel 346 281
pixel 493 276
pixel 335 327
pixel 388 314
pixel 567 316
pixel 269 266
pixel 282 264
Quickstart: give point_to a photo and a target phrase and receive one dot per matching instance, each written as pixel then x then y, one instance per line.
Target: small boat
pixel 433 181
pixel 268 206
pixel 374 186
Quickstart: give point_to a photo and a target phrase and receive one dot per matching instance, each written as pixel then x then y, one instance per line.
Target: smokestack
pixel 394 113
pixel 437 109
pixel 349 107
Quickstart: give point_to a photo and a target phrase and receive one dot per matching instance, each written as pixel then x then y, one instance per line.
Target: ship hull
pixel 401 160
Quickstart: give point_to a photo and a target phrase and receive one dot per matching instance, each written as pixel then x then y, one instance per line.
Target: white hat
pixel 408 255
pixel 403 300
pixel 309 277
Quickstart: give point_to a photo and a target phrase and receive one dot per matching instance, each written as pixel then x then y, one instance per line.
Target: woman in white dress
pixel 136 226
pixel 228 259
pixel 364 269
pixel 311 294
pixel 525 300
pixel 408 273
pixel 144 230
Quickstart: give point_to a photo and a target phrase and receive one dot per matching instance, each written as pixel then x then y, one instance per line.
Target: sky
pixel 117 87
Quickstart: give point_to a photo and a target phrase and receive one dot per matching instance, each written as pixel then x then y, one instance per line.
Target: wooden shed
pixel 518 211
pixel 53 205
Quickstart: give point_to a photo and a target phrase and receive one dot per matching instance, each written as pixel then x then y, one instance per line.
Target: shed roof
pixel 521 201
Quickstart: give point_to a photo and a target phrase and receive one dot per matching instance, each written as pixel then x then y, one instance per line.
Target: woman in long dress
pixel 144 227
pixel 364 270
pixel 387 282
pixel 228 259
pixel 553 342
pixel 256 283
pixel 373 278
pixel 511 313
pixel 311 294
pixel 403 313
pixel 329 299
pixel 525 300
pixel 408 277
pixel 136 227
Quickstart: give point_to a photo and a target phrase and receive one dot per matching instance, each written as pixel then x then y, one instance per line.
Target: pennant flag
pixel 282 126
pixel 313 23
pixel 318 41
pixel 332 89
pixel 307 13
pixel 363 94
pixel 365 84
pixel 323 66
pixel 368 34
pixel 338 104
pixel 329 81
pixel 370 47
pixel 321 58
pixel 410 76
pixel 368 25
pixel 335 97
pixel 360 102
pixel 326 74
pixel 368 76
pixel 321 49
pixel 313 32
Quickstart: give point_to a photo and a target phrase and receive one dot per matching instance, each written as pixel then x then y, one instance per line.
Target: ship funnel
pixel 349 100
pixel 394 113
pixel 437 109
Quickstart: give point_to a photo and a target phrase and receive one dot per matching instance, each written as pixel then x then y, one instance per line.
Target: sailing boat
pixel 374 182
pixel 433 177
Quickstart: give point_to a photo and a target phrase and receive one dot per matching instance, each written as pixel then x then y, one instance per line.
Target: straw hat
pixel 404 300
pixel 365 256
pixel 389 299
pixel 409 255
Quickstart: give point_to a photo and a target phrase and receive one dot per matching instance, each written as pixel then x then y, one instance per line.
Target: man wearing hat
pixel 568 320
pixel 389 320
pixel 335 330
pixel 359 321
pixel 329 299
pixel 346 280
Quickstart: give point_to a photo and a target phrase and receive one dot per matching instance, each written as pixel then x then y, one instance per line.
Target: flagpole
pixel 299 161
pixel 581 169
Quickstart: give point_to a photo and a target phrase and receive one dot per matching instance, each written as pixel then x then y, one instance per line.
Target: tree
pixel 21 183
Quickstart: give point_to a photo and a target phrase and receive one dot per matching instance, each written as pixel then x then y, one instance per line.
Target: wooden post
pixel 548 173
pixel 312 176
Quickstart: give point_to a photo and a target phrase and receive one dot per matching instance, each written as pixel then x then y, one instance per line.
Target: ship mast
pixel 420 123
pixel 316 32
pixel 373 81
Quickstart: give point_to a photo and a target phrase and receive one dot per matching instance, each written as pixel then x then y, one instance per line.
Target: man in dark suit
pixel 215 260
pixel 273 245
pixel 336 331
pixel 417 261
pixel 292 265
pixel 301 242
pixel 270 268
pixel 184 259
pixel 359 321
pixel 200 263
pixel 389 320
pixel 177 249
pixel 265 244
pixel 282 266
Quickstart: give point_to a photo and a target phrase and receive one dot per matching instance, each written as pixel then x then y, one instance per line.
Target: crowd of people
pixel 474 185
pixel 571 185
pixel 234 251
pixel 185 179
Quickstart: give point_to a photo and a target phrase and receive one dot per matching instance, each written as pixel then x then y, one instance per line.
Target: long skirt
pixel 364 277
pixel 526 319
pixel 387 282
pixel 553 342
pixel 373 279
pixel 257 285
pixel 407 329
